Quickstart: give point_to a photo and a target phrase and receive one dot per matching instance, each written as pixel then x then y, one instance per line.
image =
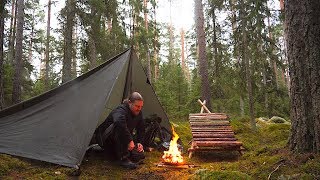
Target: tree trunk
pixel 272 58
pixel 183 63
pixel 215 45
pixel 12 33
pixel 147 44
pixel 302 19
pixel 92 52
pixel 47 51
pixel 247 64
pixel 135 32
pixel 155 49
pixel 241 106
pixel 16 91
pixel 266 97
pixel 68 44
pixel 2 14
pixel 74 52
pixel 30 59
pixel 109 23
pixel 170 36
pixel 203 63
pixel 281 5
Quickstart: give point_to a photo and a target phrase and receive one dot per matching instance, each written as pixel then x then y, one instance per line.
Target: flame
pixel 173 155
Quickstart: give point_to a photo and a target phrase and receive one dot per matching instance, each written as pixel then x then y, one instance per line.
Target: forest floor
pixel 266 157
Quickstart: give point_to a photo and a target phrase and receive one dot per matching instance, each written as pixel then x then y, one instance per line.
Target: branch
pixel 274 171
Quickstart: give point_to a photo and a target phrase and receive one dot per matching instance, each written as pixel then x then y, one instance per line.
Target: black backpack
pixel 155 135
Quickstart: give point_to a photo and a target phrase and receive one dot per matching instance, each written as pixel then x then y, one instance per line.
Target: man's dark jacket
pixel 125 122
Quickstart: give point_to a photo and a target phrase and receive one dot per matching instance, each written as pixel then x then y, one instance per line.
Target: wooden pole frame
pixel 203 106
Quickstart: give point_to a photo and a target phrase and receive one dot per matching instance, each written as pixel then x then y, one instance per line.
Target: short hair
pixel 135 96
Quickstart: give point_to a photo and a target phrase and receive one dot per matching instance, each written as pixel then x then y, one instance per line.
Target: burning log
pixel 173 155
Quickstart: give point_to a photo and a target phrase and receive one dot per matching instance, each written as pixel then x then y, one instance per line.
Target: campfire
pixel 173 155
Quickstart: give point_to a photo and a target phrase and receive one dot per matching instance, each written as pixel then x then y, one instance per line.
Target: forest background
pixel 239 76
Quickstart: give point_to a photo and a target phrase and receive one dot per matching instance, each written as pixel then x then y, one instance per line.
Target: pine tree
pixel 302 22
pixel 203 62
pixel 2 15
pixel 18 65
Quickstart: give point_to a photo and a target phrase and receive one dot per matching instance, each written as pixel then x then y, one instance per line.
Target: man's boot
pixel 137 157
pixel 126 163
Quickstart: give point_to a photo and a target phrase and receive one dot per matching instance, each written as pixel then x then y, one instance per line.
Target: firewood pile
pixel 212 132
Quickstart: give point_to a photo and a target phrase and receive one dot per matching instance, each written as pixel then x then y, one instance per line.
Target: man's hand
pixel 140 147
pixel 131 146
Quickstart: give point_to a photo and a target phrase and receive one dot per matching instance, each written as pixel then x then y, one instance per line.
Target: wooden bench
pixel 212 132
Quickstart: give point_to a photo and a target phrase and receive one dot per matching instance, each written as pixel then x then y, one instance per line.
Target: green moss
pixel 265 150
pixel 276 119
pixel 312 167
pixel 206 174
pixel 8 164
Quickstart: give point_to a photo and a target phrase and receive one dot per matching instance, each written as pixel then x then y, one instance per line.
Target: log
pixel 212 131
pixel 207 114
pixel 212 128
pixel 218 143
pixel 210 124
pixel 215 139
pixel 202 109
pixel 213 136
pixel 208 118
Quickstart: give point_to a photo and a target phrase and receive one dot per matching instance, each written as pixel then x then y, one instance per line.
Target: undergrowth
pixel 266 156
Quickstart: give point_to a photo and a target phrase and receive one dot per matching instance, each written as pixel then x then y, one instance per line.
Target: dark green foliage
pixel 7 82
pixel 172 90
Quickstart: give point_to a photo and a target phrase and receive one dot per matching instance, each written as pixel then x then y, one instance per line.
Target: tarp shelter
pixel 58 125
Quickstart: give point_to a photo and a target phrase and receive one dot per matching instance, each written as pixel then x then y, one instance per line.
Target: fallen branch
pixel 274 170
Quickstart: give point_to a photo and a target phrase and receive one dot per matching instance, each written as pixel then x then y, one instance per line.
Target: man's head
pixel 135 102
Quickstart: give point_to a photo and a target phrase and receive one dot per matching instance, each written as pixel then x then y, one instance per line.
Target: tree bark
pixel 74 52
pixel 215 45
pixel 18 62
pixel 170 36
pixel 31 38
pixel 241 106
pixel 147 44
pixel 302 19
pixel 281 5
pixel 203 63
pixel 155 49
pixel 68 44
pixel 2 14
pixel 92 52
pixel 47 51
pixel 272 58
pixel 183 63
pixel 12 34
